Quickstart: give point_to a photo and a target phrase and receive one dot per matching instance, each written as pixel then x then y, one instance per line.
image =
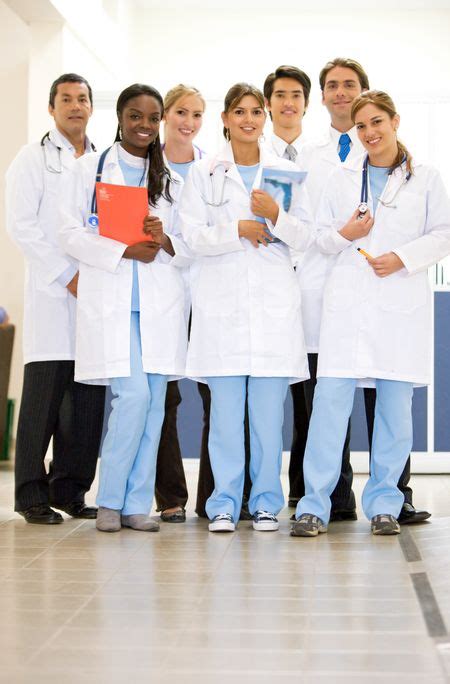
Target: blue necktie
pixel 344 146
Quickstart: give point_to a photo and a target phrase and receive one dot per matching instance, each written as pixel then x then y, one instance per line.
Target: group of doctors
pixel 211 293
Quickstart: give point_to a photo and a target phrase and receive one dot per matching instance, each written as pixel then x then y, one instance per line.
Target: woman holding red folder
pixel 131 312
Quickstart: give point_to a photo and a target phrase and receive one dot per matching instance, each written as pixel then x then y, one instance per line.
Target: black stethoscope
pixel 363 206
pixel 48 162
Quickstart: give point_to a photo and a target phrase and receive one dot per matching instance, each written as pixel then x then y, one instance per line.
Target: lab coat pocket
pixel 281 290
pixel 341 288
pixel 163 285
pixel 216 288
pixel 401 293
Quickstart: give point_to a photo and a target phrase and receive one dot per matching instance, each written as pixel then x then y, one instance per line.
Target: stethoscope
pixel 363 206
pixel 48 161
pixel 93 218
pixel 53 168
pixel 212 174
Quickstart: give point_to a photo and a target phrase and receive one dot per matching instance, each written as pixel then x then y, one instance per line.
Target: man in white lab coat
pixel 341 80
pixel 52 404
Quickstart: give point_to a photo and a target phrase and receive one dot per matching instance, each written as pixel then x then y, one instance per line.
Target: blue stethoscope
pixel 363 206
pixel 93 218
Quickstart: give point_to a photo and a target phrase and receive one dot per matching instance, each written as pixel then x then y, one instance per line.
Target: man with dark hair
pixel 286 92
pixel 341 81
pixel 52 404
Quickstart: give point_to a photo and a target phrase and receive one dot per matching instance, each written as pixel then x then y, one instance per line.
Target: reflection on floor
pixel 187 606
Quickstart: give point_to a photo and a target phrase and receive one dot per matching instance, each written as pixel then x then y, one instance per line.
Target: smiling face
pixel 340 89
pixel 245 120
pixel 139 122
pixel 72 109
pixel 287 103
pixel 377 132
pixel 184 119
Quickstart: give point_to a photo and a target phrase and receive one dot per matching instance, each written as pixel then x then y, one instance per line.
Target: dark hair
pixel 235 95
pixel 158 179
pixel 287 71
pixel 67 78
pixel 384 102
pixel 348 63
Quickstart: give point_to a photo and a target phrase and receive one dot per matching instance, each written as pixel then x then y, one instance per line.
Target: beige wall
pixel 14 52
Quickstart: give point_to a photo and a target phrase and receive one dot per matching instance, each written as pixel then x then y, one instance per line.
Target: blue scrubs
pixel 391 445
pixel 128 459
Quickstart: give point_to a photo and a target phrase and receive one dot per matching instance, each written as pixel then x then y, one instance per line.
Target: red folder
pixel 121 212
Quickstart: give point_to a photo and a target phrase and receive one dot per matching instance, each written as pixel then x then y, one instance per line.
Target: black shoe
pixel 175 517
pixel 409 515
pixel 348 514
pixel 245 513
pixel 292 503
pixel 41 515
pixel 78 509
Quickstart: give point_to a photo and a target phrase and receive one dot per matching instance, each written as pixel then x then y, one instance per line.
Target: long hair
pixel 384 102
pixel 158 179
pixel 235 95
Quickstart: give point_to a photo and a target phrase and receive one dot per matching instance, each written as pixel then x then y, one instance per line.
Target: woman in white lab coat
pixel 184 107
pixel 376 323
pixel 131 311
pixel 246 334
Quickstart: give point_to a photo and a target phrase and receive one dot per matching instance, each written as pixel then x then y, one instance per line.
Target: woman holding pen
pixel 387 219
pixel 246 320
pixel 131 307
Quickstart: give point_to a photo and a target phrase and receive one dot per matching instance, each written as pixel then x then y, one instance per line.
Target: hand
pixel 73 285
pixel 356 227
pixel 386 264
pixel 255 232
pixel 142 251
pixel 154 228
pixel 262 204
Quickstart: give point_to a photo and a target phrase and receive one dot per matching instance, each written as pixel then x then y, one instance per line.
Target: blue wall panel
pixel 442 371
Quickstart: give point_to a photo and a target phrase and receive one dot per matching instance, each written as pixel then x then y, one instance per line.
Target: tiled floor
pixel 187 606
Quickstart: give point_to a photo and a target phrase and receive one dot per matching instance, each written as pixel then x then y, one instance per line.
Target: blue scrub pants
pixel 391 445
pixel 226 443
pixel 128 459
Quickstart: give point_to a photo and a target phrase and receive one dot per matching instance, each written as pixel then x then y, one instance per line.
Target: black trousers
pixel 170 484
pixel 343 497
pixel 54 405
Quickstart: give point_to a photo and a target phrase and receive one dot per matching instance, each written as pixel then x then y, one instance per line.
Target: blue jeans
pixel 226 443
pixel 128 460
pixel 391 445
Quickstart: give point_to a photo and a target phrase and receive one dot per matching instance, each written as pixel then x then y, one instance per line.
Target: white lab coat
pixel 376 327
pixel 105 284
pixel 319 160
pixel 246 304
pixel 32 221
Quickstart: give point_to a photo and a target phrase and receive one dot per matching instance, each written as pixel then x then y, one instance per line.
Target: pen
pixel 365 254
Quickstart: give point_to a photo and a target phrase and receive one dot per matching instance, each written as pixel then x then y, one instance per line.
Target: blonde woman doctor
pixel 376 322
pixel 246 334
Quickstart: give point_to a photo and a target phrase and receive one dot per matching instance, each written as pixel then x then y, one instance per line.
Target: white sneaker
pixel 222 523
pixel 263 521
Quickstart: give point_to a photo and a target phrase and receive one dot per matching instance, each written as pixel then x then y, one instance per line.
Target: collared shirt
pixel 335 135
pixel 279 145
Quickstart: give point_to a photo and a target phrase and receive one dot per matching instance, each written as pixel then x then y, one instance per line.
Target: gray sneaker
pixel 384 524
pixel 140 521
pixel 308 525
pixel 108 520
